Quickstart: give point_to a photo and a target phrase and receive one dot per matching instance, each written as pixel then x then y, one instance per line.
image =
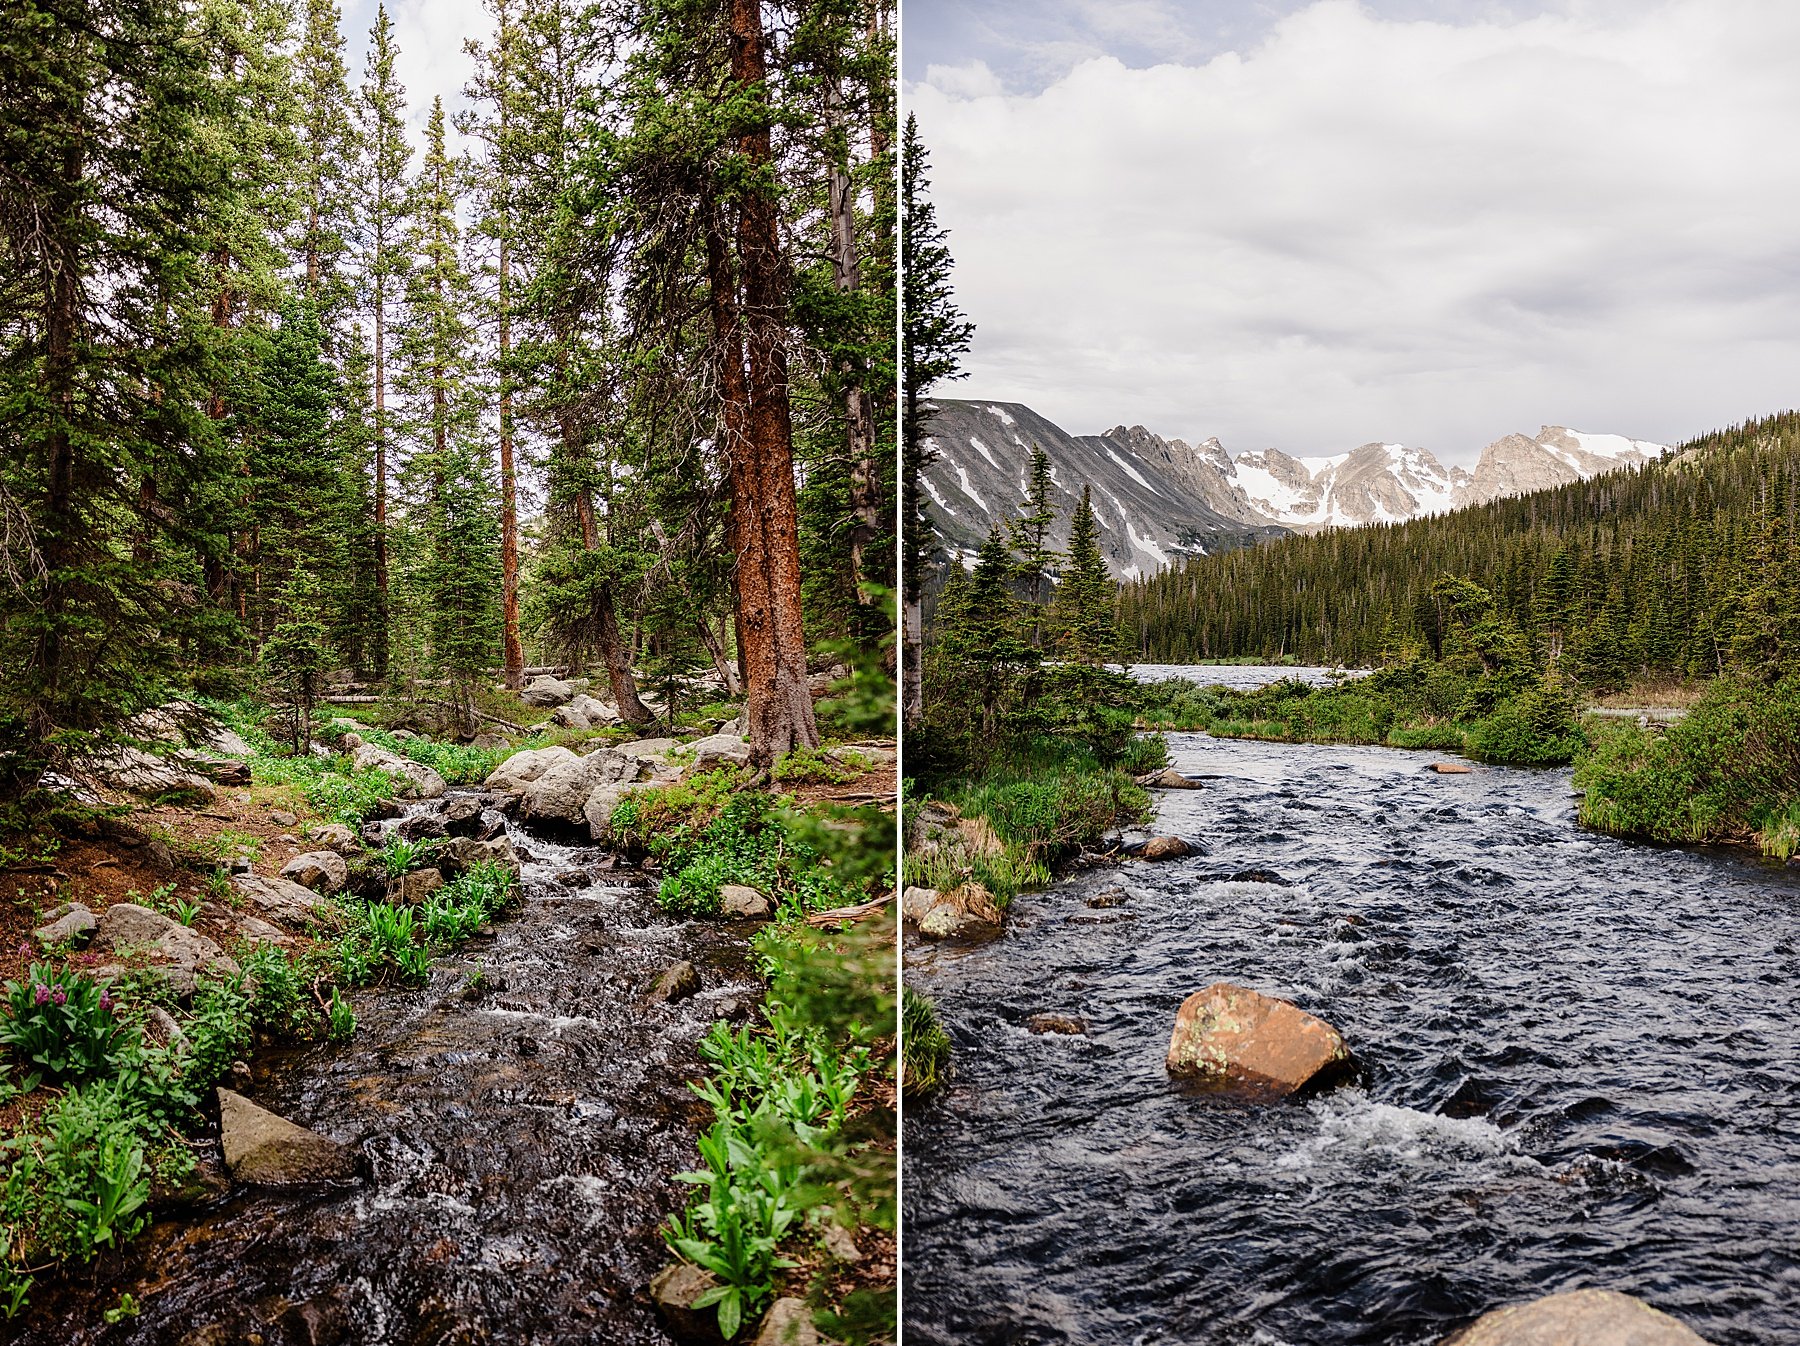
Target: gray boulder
pixel 143 773
pixel 787 1323
pixel 674 1291
pixel 72 921
pixel 421 781
pixel 278 899
pixel 521 769
pixel 717 750
pixel 419 885
pixel 321 871
pixel 269 1151
pixel 180 955
pixel 547 691
pixel 490 742
pixel 1577 1318
pixel 677 983
pixel 337 837
pixel 648 747
pixel 966 911
pixel 561 793
pixel 737 899
pixel 463 853
pixel 598 810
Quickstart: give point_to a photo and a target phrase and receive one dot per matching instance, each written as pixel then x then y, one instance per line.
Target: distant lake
pixel 1242 677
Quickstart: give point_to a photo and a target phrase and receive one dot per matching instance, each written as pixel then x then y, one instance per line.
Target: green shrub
pixel 1729 771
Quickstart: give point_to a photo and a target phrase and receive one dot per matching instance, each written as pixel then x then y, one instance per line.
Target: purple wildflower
pixel 106 1003
pixel 43 994
pixel 59 996
pixel 25 951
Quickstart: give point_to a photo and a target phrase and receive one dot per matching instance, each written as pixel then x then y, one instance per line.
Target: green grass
pixel 924 1045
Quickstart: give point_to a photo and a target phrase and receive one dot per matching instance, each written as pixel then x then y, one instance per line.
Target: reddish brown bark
pixel 761 453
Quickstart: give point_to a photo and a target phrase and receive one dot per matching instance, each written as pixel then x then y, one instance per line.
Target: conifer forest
pixel 448 581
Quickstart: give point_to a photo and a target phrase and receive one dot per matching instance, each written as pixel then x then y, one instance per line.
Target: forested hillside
pixel 1676 569
pixel 286 397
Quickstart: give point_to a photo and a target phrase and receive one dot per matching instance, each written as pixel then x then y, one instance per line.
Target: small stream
pixel 519 1133
pixel 1581 1067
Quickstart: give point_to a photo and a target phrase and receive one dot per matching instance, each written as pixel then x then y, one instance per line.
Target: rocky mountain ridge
pixel 1159 499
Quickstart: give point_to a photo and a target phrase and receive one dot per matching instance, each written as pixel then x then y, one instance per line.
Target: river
pixel 1581 1066
pixel 520 1117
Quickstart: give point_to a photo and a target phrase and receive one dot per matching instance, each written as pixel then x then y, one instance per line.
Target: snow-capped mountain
pixel 1514 465
pixel 1158 499
pixel 1155 500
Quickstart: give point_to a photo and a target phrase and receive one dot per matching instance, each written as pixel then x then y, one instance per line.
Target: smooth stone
pixel 1450 768
pixel 336 837
pixel 673 1290
pixel 1240 1039
pixel 269 1151
pixel 1169 779
pixel 1165 848
pixel 321 871
pixel 1066 1024
pixel 678 983
pixel 787 1323
pixel 419 885
pixel 737 899
pixel 67 923
pixel 280 899
pixel 1577 1318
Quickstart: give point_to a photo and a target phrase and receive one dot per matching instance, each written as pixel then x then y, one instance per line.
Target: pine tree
pixel 327 152
pixel 934 336
pixel 112 186
pixel 1084 613
pixel 500 124
pixel 294 658
pixel 385 159
pixel 297 493
pixel 1031 537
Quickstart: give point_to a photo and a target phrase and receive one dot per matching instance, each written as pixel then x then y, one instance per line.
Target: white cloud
pixel 1362 229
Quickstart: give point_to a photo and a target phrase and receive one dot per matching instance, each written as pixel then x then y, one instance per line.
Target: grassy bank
pixel 1049 799
pixel 1516 719
pixel 1728 773
pixel 796 1189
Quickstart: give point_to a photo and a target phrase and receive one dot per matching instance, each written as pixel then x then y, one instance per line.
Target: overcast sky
pixel 1311 225
pixel 429 34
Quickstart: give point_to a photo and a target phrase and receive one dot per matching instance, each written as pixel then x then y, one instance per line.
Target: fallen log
pixel 838 915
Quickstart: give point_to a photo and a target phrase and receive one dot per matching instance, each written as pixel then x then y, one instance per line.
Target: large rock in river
pixel 1240 1039
pixel 965 911
pixel 560 794
pixel 522 768
pixel 270 1151
pixel 1578 1318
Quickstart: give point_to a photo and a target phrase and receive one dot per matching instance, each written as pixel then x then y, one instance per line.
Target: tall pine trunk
pixel 512 649
pixel 762 455
pixel 607 638
pixel 380 661
pixel 859 412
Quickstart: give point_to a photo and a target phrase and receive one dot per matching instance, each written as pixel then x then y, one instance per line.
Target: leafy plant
pixel 398 856
pixel 340 1019
pixel 187 911
pixel 62 1023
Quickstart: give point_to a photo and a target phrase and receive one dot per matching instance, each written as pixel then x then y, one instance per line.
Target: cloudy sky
pixel 1312 225
pixel 429 34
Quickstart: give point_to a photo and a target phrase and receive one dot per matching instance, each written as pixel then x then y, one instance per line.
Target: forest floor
pixel 169 855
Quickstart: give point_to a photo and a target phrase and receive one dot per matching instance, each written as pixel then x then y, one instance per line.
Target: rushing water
pixel 519 1133
pixel 1581 1067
